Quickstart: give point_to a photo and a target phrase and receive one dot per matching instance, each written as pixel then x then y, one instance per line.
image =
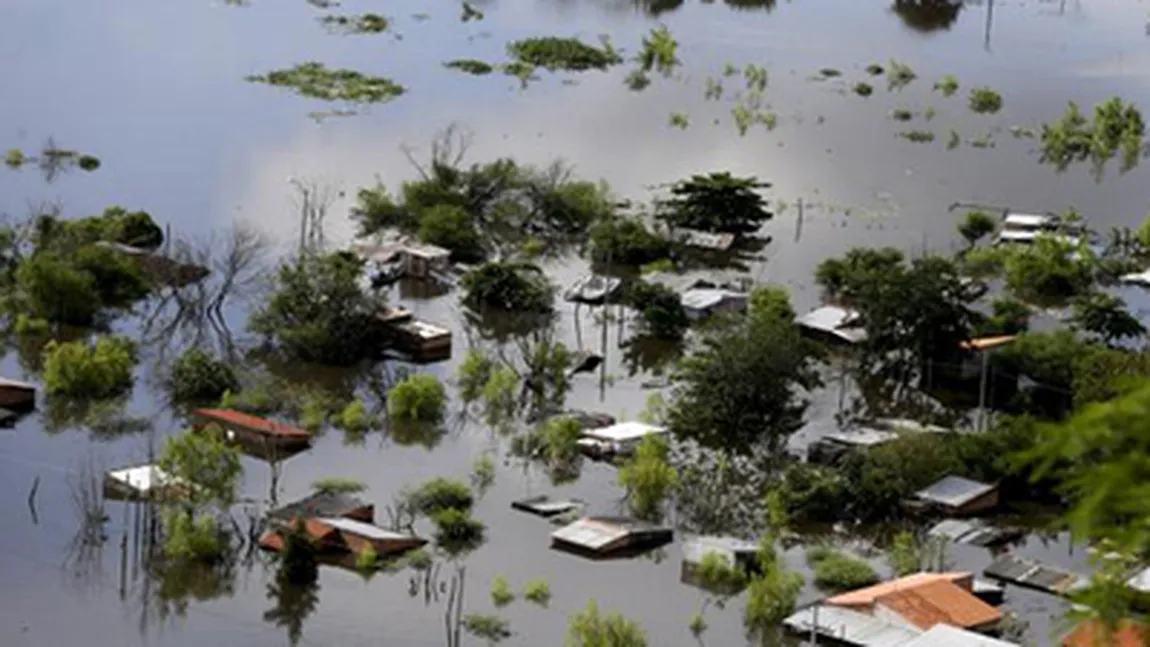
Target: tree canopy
pixel 509 287
pixel 717 202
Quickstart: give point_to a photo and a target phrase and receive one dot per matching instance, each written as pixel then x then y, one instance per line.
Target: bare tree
pixel 313 199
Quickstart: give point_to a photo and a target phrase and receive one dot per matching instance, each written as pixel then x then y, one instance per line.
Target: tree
pixel 204 459
pixel 661 309
pixel 976 226
pixel 509 287
pixel 1105 315
pixel 1048 272
pixel 418 398
pixel 198 377
pixel 771 302
pixel 451 228
pixel 1009 317
pixel 338 485
pixel 744 387
pixel 717 202
pixel 319 313
pixel 591 628
pixel 80 370
pixel 56 291
pixel 648 478
pixel 626 241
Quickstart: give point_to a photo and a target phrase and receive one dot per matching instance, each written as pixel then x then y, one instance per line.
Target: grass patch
pixel 537 592
pixel 863 89
pixel 730 69
pixel 917 136
pixel 947 85
pixel 899 75
pixel 368 23
pixel 316 81
pixel 470 66
pixel 986 141
pixel 680 120
pixel 985 101
pixel 570 54
pixel 836 571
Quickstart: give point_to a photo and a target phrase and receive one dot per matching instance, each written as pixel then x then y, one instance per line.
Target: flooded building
pixel 975 532
pixel 323 504
pixel 958 496
pixel 142 482
pixel 341 535
pixel 923 600
pixel 421 340
pixel 610 536
pixel 248 428
pixel 545 506
pixel 619 439
pixel 593 289
pixel 841 626
pixel 717 242
pixel 834 325
pixel 17 396
pixel 407 258
pixel 1035 575
pixel 737 554
pixel 700 303
pixel 834 447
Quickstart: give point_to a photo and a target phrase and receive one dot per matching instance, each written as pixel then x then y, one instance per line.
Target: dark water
pixel 156 91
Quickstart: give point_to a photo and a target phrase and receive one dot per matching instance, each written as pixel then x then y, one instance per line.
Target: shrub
pixel 367 559
pixel 976 225
pixel 206 459
pixel 419 559
pixel 355 419
pixel 698 624
pixel 590 628
pixel 626 241
pixel 487 627
pixel 985 100
pixel 837 572
pixel 456 530
pixel 473 373
pixel 188 537
pixel 197 376
pixel 338 485
pixel 537 592
pixel 661 309
pixel 299 564
pixel 716 574
pixel 440 494
pixel 77 369
pixel 483 472
pixel 119 280
pixel 31 326
pixel 470 66
pixel 569 54
pixel 501 593
pixel 418 398
pixel 55 290
pixel 648 477
pixel 771 597
pixel 510 287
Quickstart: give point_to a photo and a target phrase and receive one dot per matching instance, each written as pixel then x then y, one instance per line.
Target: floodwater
pixel 156 91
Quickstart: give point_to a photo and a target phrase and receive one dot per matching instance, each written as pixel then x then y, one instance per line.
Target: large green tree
pixel 717 202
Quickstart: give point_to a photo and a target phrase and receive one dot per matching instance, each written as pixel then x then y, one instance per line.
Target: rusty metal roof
pixel 939 602
pixel 1093 634
pixel 248 422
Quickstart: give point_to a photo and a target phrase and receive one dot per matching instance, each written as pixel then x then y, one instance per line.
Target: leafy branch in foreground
pixel 316 81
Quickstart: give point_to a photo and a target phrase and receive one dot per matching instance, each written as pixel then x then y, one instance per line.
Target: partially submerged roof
pixel 971 531
pixel 142 479
pixel 867 596
pixel 861 437
pixel 1138 278
pixel 942 635
pixel 729 548
pixel 423 329
pixel 954 491
pixel 834 320
pixel 707 298
pixel 368 530
pixel 593 287
pixel 939 602
pixel 987 343
pixel 623 431
pixel 1025 572
pixel 1140 581
pixel 1093 634
pixel 254 424
pixel 1028 220
pixel 705 239
pixel 850 627
pixel 324 504
pixel 545 506
pixel 607 534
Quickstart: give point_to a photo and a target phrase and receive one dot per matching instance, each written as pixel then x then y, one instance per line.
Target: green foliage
pixel 743 388
pixel 487 627
pixel 658 52
pixel 561 439
pixel 30 326
pixel 56 291
pixel 698 624
pixel 418 398
pixel 976 225
pixel 15 158
pixel 874 69
pixel 470 66
pixel 1010 317
pixel 591 628
pixel 1048 272
pixel 368 23
pixel 899 75
pixel 510 287
pixel 948 86
pixel 837 572
pixel 88 163
pixel 829 73
pixel 441 494
pixel 338 485
pixel 483 472
pixel 626 241
pixel 473 373
pixel 453 229
pixel 1115 126
pixel 299 565
pixel 716 573
pixel 905 557
pixel 648 477
pixel 953 139
pixel 81 370
pixel 193 538
pixel 501 397
pixel 115 225
pixel 571 54
pixel 316 81
pixel 501 593
pixel 717 202
pixel 318 313
pixel 771 597
pixel 205 459
pixel 661 309
pixel 418 559
pixel 985 101
pixel 863 89
pixel 355 418
pixel 367 559
pixel 901 114
pixel 1105 315
pixel 199 377
pixel 537 592
pixel 917 136
pixel 456 530
pixel 118 280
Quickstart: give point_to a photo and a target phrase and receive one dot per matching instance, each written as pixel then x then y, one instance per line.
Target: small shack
pixel 1034 575
pixel 922 600
pixel 17 396
pixel 142 482
pixel 593 289
pixel 619 439
pixel 340 535
pixel 700 303
pixel 246 427
pixel 958 496
pixel 323 504
pixel 421 340
pixel 737 554
pixel 834 325
pixel 544 506
pixel 610 536
pixel 835 446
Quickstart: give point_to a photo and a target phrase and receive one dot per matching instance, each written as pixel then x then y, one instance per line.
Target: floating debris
pixel 901 114
pixel 863 89
pixel 729 69
pixel 875 69
pixel 368 23
pixel 680 120
pixel 470 66
pixel 469 13
pixel 316 81
pixel 986 141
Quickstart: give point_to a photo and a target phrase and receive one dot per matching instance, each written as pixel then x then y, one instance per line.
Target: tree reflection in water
pixel 928 15
pixel 293 604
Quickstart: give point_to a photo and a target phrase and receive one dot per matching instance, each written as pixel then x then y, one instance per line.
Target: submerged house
pixel 323 504
pixel 421 340
pixel 718 242
pixel 344 536
pixel 834 447
pixel 834 325
pixel 143 482
pixel 17 396
pixel 737 554
pixel 610 536
pixel 244 427
pixel 593 289
pixel 958 496
pixel 921 601
pixel 1035 575
pixel 619 439
pixel 700 303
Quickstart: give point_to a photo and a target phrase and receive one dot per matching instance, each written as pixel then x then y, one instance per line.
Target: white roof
pixel 1033 220
pixel 1140 278
pixel 363 529
pixel 426 251
pixel 705 298
pixel 424 329
pixel 942 635
pixel 862 437
pixel 141 479
pixel 835 321
pixel 1140 581
pixel 16 384
pixel 624 431
pixel 954 491
pixel 591 532
pixel 696 548
pixel 851 627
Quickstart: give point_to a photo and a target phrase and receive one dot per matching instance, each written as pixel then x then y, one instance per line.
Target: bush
pixel 77 369
pixel 501 593
pixel 119 280
pixel 299 564
pixel 198 377
pixel 771 597
pixel 30 326
pixel 590 628
pixel 338 485
pixel 441 494
pixel 976 225
pixel 456 530
pixel 510 287
pixel 837 572
pixel 188 537
pixel 453 229
pixel 626 241
pixel 55 290
pixel 537 592
pixel 473 373
pixel 985 100
pixel 355 419
pixel 207 460
pixel 419 398
pixel 717 575
pixel 661 309
pixel 648 477
pixel 569 54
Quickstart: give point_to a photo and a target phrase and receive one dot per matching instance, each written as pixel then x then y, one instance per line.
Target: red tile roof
pixel 253 424
pixel 1093 634
pixel 940 602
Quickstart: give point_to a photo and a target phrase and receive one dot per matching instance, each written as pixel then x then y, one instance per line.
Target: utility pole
pixel 981 426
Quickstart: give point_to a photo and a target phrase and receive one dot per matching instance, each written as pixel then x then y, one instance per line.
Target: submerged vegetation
pixel 81 370
pixel 470 66
pixel 316 81
pixel 570 54
pixel 985 101
pixel 917 136
pixel 51 160
pixel 947 85
pixel 368 23
pixel 899 75
pixel 1115 127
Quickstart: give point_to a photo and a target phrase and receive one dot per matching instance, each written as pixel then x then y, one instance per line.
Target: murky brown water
pixel 156 91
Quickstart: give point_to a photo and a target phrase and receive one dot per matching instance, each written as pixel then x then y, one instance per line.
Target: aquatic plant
pixel 716 574
pixel 338 485
pixel 863 89
pixel 743 117
pixel 592 628
pixel 714 89
pixel 469 12
pixel 368 23
pixel 976 225
pixel 15 158
pixel 947 85
pixel 648 478
pixel 983 141
pixel 771 596
pixel 836 571
pixel 525 72
pixel 756 78
pixel 355 418
pixel 874 69
pixel 698 624
pixel 472 375
pixel 501 593
pixel 456 530
pixel 197 376
pixel 81 370
pixel 679 120
pixel 418 559
pixel 1116 126
pixel 418 398
pixel 537 592
pixel 482 472
pixel 953 139
pixel 901 114
pixel 917 136
pixel 658 52
pixel 470 66
pixel 501 397
pixel 730 69
pixel 636 80
pixel 1021 132
pixel 899 75
pixel 904 554
pixel 571 54
pixel 661 309
pixel 204 459
pixel 929 113
pixel 440 494
pixel 829 73
pixel 316 81
pixel 491 628
pixel 196 538
pixel 985 101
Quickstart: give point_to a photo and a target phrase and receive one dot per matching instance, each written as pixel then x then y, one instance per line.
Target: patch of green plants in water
pixel 468 13
pixel 985 141
pixel 316 81
pixel 51 160
pixel 198 377
pixel 659 52
pixel 863 89
pixel 1116 127
pixel 756 76
pixel 836 571
pixel 917 136
pixel 419 398
pixel 730 69
pixel 947 85
pixel 368 23
pixel 901 114
pixel 81 370
pixel 929 113
pixel 570 54
pixel 337 485
pixel 714 89
pixel 470 66
pixel 525 72
pixel 490 628
pixel 537 592
pixel 874 69
pixel 680 120
pixel 829 73
pixel 985 101
pixel 636 80
pixel 501 593
pixel 899 75
pixel 953 139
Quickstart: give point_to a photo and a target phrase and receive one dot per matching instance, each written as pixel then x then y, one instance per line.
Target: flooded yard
pixel 158 93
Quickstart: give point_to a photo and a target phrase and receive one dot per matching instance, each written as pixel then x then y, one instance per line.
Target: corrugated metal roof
pixel 939 602
pixel 595 533
pixel 1034 574
pixel 1031 220
pixel 954 491
pixel 251 423
pixel 696 548
pixel 624 431
pixel 850 627
pixel 707 298
pixel 948 636
pixel 833 320
pixel 861 437
pixel 868 595
pixel 142 479
pixel 706 239
pixel 333 504
pixel 363 529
